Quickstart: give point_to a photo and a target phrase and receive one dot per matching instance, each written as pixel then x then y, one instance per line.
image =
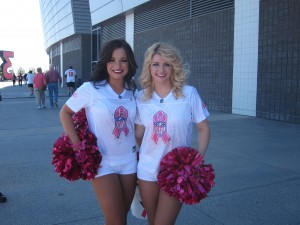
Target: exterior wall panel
pixel 57 20
pixel 246 55
pixel 78 55
pixel 107 9
pixel 278 95
pixel 206 43
pixel 82 18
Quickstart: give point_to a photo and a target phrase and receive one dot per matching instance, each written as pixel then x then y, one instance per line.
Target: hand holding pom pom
pixel 84 162
pixel 184 175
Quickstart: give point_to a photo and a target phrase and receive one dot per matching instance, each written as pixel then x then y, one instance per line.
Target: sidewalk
pixel 256 161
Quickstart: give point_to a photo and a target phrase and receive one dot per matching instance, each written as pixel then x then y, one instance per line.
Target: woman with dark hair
pixel 109 102
pixel 101 72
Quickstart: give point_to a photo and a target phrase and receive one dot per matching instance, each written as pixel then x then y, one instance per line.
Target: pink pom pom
pixel 63 159
pixel 183 175
pixel 83 163
pixel 88 158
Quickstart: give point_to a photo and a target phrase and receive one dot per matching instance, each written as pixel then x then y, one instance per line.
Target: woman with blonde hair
pixel 167 109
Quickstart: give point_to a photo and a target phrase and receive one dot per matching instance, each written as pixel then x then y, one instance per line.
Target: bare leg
pixel 109 193
pixel 128 183
pixel 115 194
pixel 167 210
pixel 149 192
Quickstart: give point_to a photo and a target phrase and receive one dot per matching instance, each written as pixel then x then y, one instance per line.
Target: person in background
pixel 14 78
pixel 109 101
pixel 167 109
pixel 20 79
pixel 53 80
pixel 29 79
pixel 25 78
pixel 70 74
pixel 39 85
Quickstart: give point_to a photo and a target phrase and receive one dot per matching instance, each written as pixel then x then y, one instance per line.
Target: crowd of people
pixel 39 82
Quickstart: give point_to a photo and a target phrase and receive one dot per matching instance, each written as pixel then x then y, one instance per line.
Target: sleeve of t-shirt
pixel 199 110
pixel 82 97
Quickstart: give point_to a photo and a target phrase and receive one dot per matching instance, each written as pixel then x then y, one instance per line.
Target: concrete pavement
pixel 256 161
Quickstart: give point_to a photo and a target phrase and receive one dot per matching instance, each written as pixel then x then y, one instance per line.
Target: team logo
pixel 120 116
pixel 160 127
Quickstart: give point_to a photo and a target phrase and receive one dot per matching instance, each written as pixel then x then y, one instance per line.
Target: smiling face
pixel 161 71
pixel 117 67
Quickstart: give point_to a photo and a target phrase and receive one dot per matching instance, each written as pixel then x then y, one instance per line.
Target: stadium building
pixel 244 55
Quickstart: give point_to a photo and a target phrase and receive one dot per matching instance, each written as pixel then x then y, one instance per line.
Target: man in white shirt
pixel 29 79
pixel 70 74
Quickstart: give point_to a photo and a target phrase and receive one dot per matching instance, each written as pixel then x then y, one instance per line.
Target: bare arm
pixel 139 133
pixel 203 136
pixel 68 124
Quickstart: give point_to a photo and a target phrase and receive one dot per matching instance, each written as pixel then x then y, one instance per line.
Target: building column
pixel 245 62
pixel 130 29
pixel 61 64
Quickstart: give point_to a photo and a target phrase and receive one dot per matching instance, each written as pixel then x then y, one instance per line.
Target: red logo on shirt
pixel 120 116
pixel 160 127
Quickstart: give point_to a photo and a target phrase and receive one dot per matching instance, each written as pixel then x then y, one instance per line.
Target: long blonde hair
pixel 172 56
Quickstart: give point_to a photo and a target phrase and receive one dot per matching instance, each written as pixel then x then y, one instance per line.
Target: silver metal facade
pixel 64 18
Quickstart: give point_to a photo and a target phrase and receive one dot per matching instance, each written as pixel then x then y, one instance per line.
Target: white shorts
pixel 147 176
pixel 126 168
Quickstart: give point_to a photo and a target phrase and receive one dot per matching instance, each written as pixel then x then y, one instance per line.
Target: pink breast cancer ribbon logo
pixel 120 116
pixel 160 127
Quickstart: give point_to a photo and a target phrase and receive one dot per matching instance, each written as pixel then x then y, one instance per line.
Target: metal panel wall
pixel 107 9
pixel 82 16
pixel 64 18
pixel 57 20
pixel 166 12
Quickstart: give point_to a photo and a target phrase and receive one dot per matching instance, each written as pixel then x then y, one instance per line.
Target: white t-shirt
pixel 168 124
pixel 111 118
pixel 29 78
pixel 70 74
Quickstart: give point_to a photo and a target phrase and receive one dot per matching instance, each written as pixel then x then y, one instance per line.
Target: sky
pixel 21 32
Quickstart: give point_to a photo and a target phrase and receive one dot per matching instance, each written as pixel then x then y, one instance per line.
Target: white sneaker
pixel 39 107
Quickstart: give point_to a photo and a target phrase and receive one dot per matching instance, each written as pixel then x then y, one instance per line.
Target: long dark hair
pixel 100 72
